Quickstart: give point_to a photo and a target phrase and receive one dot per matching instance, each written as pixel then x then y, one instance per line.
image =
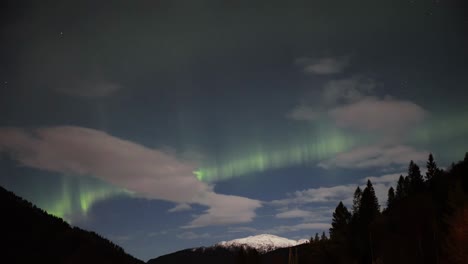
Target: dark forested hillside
pixel 30 235
pixel 210 255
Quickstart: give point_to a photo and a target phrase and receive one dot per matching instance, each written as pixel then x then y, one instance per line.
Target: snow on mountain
pixel 262 243
pixel 302 241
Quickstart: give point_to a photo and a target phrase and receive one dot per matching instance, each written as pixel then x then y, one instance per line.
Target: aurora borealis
pixel 171 124
pixel 266 157
pixel 76 197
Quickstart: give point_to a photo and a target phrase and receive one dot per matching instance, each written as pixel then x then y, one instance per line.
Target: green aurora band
pixel 263 157
pixel 76 196
pixel 315 145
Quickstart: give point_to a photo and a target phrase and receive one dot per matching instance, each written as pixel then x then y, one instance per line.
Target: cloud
pixel 317 195
pixel 387 116
pixel 350 104
pixel 146 172
pixel 299 227
pixel 316 214
pixel 192 235
pixel 224 210
pixel 333 93
pixel 180 207
pixel 346 90
pixel 295 213
pixel 375 156
pixel 242 229
pixel 325 65
pixel 387 178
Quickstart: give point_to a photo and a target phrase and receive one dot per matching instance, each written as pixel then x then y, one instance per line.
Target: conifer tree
pixel 317 238
pixel 356 202
pixel 432 169
pixel 416 181
pixel 340 223
pixel 407 185
pixel 391 197
pixel 400 189
pixel 369 204
pixel 324 237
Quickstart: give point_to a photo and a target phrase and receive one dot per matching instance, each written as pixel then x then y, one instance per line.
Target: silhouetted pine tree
pixel 415 178
pixel 323 237
pixel 340 223
pixel 317 238
pixel 391 197
pixel 432 170
pixel 356 202
pixel 400 189
pixel 369 207
pixel 407 186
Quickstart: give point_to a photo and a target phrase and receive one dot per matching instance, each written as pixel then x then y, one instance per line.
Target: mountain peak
pixel 262 243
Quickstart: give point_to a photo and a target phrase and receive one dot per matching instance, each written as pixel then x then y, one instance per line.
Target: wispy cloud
pixel 298 227
pixel 347 90
pixel 145 172
pixel 333 93
pixel 351 104
pixel 390 117
pixel 387 178
pixel 180 207
pixel 315 214
pixel 295 213
pixel 317 195
pixel 323 65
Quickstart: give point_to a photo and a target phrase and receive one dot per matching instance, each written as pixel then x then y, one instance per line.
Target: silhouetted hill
pixel 30 235
pixel 211 255
pixel 233 255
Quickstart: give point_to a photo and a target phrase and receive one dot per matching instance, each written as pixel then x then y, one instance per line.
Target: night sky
pixel 164 125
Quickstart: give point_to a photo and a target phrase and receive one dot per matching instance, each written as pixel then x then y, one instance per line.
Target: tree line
pixel 425 221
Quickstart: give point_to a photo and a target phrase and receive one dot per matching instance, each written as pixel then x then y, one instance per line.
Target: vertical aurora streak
pixel 264 156
pixel 76 196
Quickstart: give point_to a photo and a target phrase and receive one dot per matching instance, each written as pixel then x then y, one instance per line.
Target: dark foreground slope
pixel 199 255
pixel 30 235
pixel 211 255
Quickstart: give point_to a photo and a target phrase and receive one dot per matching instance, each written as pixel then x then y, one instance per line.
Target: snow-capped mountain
pixel 262 243
pixel 228 251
